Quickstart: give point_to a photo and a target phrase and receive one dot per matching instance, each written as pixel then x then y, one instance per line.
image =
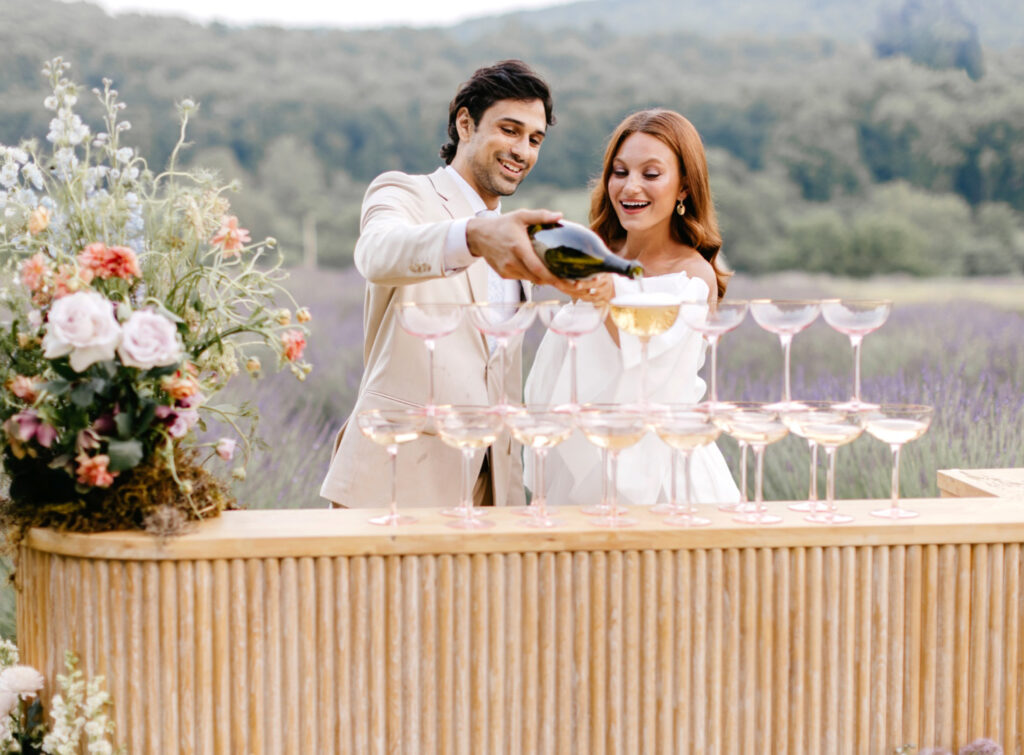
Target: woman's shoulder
pixel 695 267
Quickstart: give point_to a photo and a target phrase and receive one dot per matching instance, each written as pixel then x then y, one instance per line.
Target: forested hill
pixel 999 22
pixel 817 144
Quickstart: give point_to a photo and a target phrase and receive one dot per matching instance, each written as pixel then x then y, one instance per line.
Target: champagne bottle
pixel 571 250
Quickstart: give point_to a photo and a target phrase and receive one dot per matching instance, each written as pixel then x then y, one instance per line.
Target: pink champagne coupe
pixel 612 427
pixel 468 429
pixel 856 318
pixel 713 324
pixel 791 418
pixel 502 321
pixel 539 428
pixel 572 320
pixel 785 318
pixel 430 321
pixel 390 428
pixel 897 425
pixel 684 429
pixel 829 427
pixel 758 425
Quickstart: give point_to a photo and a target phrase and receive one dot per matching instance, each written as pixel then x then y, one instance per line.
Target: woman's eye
pixel 652 175
pixel 618 172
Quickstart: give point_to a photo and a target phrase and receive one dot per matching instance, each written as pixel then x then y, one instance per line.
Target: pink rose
pixel 149 340
pixel 23 387
pixel 82 325
pixel 226 448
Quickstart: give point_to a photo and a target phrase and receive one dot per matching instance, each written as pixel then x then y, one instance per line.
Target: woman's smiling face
pixel 644 184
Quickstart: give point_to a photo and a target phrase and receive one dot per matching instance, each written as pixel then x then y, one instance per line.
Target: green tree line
pixel 827 154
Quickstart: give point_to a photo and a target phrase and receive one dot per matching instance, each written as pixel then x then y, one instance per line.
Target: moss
pixel 147 497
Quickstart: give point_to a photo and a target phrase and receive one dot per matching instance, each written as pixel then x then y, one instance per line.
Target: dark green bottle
pixel 573 251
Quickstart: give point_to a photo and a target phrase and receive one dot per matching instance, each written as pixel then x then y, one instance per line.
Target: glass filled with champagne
pixel 644 314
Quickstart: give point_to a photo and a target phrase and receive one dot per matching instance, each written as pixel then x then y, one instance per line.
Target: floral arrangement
pixel 128 299
pixel 79 709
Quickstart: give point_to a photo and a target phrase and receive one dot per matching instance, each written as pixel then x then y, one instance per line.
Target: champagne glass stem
pixel 502 394
pixel 573 396
pixel 689 508
pixel 392 450
pixel 759 478
pixel 604 476
pixel 539 500
pixel 643 370
pixel 830 480
pixel 812 494
pixel 786 339
pixel 855 341
pixel 895 474
pixel 613 487
pixel 430 375
pixel 467 484
pixel 674 506
pixel 743 472
pixel 713 342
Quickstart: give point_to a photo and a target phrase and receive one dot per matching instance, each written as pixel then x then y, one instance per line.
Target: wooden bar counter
pixel 312 631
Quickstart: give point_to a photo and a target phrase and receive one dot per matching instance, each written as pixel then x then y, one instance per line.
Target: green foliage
pixel 303 119
pixel 935 34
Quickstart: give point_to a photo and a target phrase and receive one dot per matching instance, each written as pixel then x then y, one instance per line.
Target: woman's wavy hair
pixel 699 226
pixel 505 80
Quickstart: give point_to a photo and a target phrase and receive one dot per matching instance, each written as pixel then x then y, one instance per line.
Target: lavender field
pixel 956 345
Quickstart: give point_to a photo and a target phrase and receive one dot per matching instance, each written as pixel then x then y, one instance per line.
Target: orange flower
pixel 68 280
pixel 294 342
pixel 34 271
pixel 230 238
pixel 105 261
pixel 39 220
pixel 23 387
pixel 180 386
pixel 92 470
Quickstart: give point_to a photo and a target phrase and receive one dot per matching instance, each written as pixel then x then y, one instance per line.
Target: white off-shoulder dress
pixel 611 374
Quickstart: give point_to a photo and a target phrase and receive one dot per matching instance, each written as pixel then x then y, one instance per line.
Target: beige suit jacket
pixel 404 222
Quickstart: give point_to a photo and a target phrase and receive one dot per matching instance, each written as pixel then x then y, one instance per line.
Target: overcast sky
pixel 343 13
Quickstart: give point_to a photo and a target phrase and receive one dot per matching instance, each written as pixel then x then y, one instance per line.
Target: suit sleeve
pixel 401 238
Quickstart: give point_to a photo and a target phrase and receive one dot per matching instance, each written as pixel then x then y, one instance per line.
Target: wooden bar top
pixel 346 532
pixel 966 483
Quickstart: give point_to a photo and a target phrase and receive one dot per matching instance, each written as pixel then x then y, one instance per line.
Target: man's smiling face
pixel 495 154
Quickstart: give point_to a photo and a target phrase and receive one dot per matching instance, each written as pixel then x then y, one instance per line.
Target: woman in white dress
pixel 653 205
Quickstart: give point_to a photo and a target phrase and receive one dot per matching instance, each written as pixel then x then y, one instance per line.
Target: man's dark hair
pixel 506 80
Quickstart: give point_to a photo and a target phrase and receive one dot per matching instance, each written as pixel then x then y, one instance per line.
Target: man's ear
pixel 464 123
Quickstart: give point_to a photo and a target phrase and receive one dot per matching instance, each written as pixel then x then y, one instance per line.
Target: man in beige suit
pixel 437 238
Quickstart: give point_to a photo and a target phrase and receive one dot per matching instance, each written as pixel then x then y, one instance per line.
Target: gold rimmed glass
pixel 897 425
pixel 391 428
pixel 758 425
pixel 644 314
pixel 430 321
pixel 856 318
pixel 539 428
pixel 830 427
pixel 501 321
pixel 792 419
pixel 785 318
pixel 684 428
pixel 713 324
pixel 612 428
pixel 468 429
pixel 572 320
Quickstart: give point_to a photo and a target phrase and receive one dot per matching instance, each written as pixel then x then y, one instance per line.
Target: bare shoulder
pixel 698 267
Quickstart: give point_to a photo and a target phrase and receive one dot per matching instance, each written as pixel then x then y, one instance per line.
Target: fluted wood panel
pixel 845 649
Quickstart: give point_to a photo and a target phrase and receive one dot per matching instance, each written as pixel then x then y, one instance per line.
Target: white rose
pixel 23 681
pixel 149 340
pixel 82 325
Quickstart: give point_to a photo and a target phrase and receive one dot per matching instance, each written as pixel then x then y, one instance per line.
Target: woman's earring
pixel 680 207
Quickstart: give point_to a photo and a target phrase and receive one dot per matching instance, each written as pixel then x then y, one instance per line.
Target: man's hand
pixel 504 243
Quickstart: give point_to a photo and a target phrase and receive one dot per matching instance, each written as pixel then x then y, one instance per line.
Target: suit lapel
pixel 456 206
